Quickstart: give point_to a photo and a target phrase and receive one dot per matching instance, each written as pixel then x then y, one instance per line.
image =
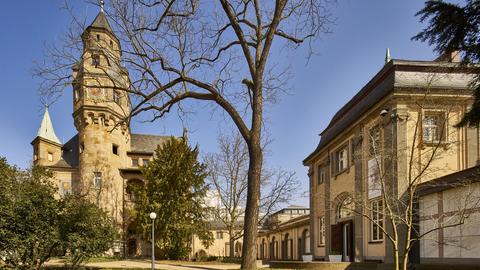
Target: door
pixel 347 241
pixel 336 239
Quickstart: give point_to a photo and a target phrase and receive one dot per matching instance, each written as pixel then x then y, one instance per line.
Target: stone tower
pixel 100 105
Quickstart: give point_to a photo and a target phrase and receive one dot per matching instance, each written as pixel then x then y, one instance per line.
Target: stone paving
pixel 164 265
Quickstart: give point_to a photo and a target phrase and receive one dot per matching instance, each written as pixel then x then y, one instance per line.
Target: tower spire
pixel 46 128
pixel 387 56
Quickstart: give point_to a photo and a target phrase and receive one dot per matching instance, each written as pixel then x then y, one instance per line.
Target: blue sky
pixel 346 59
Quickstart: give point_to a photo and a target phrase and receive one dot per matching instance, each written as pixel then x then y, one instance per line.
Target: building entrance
pixel 342 240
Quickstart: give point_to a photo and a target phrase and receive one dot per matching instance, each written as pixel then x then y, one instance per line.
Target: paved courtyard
pixel 166 265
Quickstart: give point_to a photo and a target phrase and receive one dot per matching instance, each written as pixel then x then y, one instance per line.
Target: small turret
pixel 47 149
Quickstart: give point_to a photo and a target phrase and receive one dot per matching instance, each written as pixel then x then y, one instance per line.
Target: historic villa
pixel 103 159
pixel 403 120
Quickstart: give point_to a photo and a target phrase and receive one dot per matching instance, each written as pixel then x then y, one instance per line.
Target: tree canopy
pixel 175 190
pixel 35 225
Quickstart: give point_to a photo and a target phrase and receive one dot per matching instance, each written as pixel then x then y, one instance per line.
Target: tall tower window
pixel 111 44
pixel 115 149
pixel 116 97
pixel 50 156
pixel 97 181
pixel 98 37
pixel 95 60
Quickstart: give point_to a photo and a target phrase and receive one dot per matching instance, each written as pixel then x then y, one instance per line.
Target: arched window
pixel 345 208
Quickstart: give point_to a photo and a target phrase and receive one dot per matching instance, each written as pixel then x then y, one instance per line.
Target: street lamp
pixel 153 216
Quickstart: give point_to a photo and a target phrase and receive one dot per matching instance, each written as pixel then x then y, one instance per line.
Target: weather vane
pixel 102 3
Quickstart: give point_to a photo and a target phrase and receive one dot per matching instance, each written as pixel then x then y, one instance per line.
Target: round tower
pixel 100 105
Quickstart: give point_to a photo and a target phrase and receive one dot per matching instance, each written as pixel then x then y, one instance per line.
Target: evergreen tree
pixel 453 28
pixel 174 189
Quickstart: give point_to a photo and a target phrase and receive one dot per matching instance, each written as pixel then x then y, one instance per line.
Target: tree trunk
pixel 253 196
pixel 231 243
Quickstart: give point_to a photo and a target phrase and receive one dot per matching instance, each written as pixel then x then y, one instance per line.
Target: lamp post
pixel 153 216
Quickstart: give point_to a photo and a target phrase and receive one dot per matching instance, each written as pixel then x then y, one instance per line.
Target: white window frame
pixel 341 159
pixel 437 132
pixel 376 234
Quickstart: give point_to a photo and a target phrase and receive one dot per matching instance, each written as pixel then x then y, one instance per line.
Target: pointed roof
pixel 101 22
pixel 46 128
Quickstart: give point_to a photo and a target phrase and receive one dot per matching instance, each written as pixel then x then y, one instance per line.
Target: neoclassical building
pixel 285 235
pixel 104 157
pixel 400 126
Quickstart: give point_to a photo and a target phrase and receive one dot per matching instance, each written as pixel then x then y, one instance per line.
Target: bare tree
pixel 214 51
pixel 228 173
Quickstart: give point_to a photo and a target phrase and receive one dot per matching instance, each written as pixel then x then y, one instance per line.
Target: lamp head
pixel 383 112
pixel 153 215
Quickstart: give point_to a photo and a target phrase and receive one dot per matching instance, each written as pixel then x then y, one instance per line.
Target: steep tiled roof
pixel 70 153
pixel 146 143
pixel 46 128
pixel 101 22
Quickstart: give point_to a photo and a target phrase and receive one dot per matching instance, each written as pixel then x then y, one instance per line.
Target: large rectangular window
pixel 341 159
pixel 219 235
pixel 321 231
pixel 434 128
pixel 97 181
pixel 374 141
pixel 377 220
pixel 321 174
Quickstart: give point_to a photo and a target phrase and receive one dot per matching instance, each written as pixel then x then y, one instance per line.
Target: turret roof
pixel 101 21
pixel 46 128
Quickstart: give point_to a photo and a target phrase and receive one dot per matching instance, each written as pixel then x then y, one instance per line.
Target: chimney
pixel 453 57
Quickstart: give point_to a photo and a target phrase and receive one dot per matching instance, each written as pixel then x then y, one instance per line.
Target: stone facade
pixel 408 107
pixel 285 235
pixel 104 157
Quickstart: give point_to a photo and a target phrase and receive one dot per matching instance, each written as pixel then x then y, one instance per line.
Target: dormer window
pixel 95 60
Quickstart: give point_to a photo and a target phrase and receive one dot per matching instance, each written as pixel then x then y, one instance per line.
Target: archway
pixel 345 208
pixel 132 242
pixel 272 248
pixel 287 249
pixel 305 242
pixel 342 239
